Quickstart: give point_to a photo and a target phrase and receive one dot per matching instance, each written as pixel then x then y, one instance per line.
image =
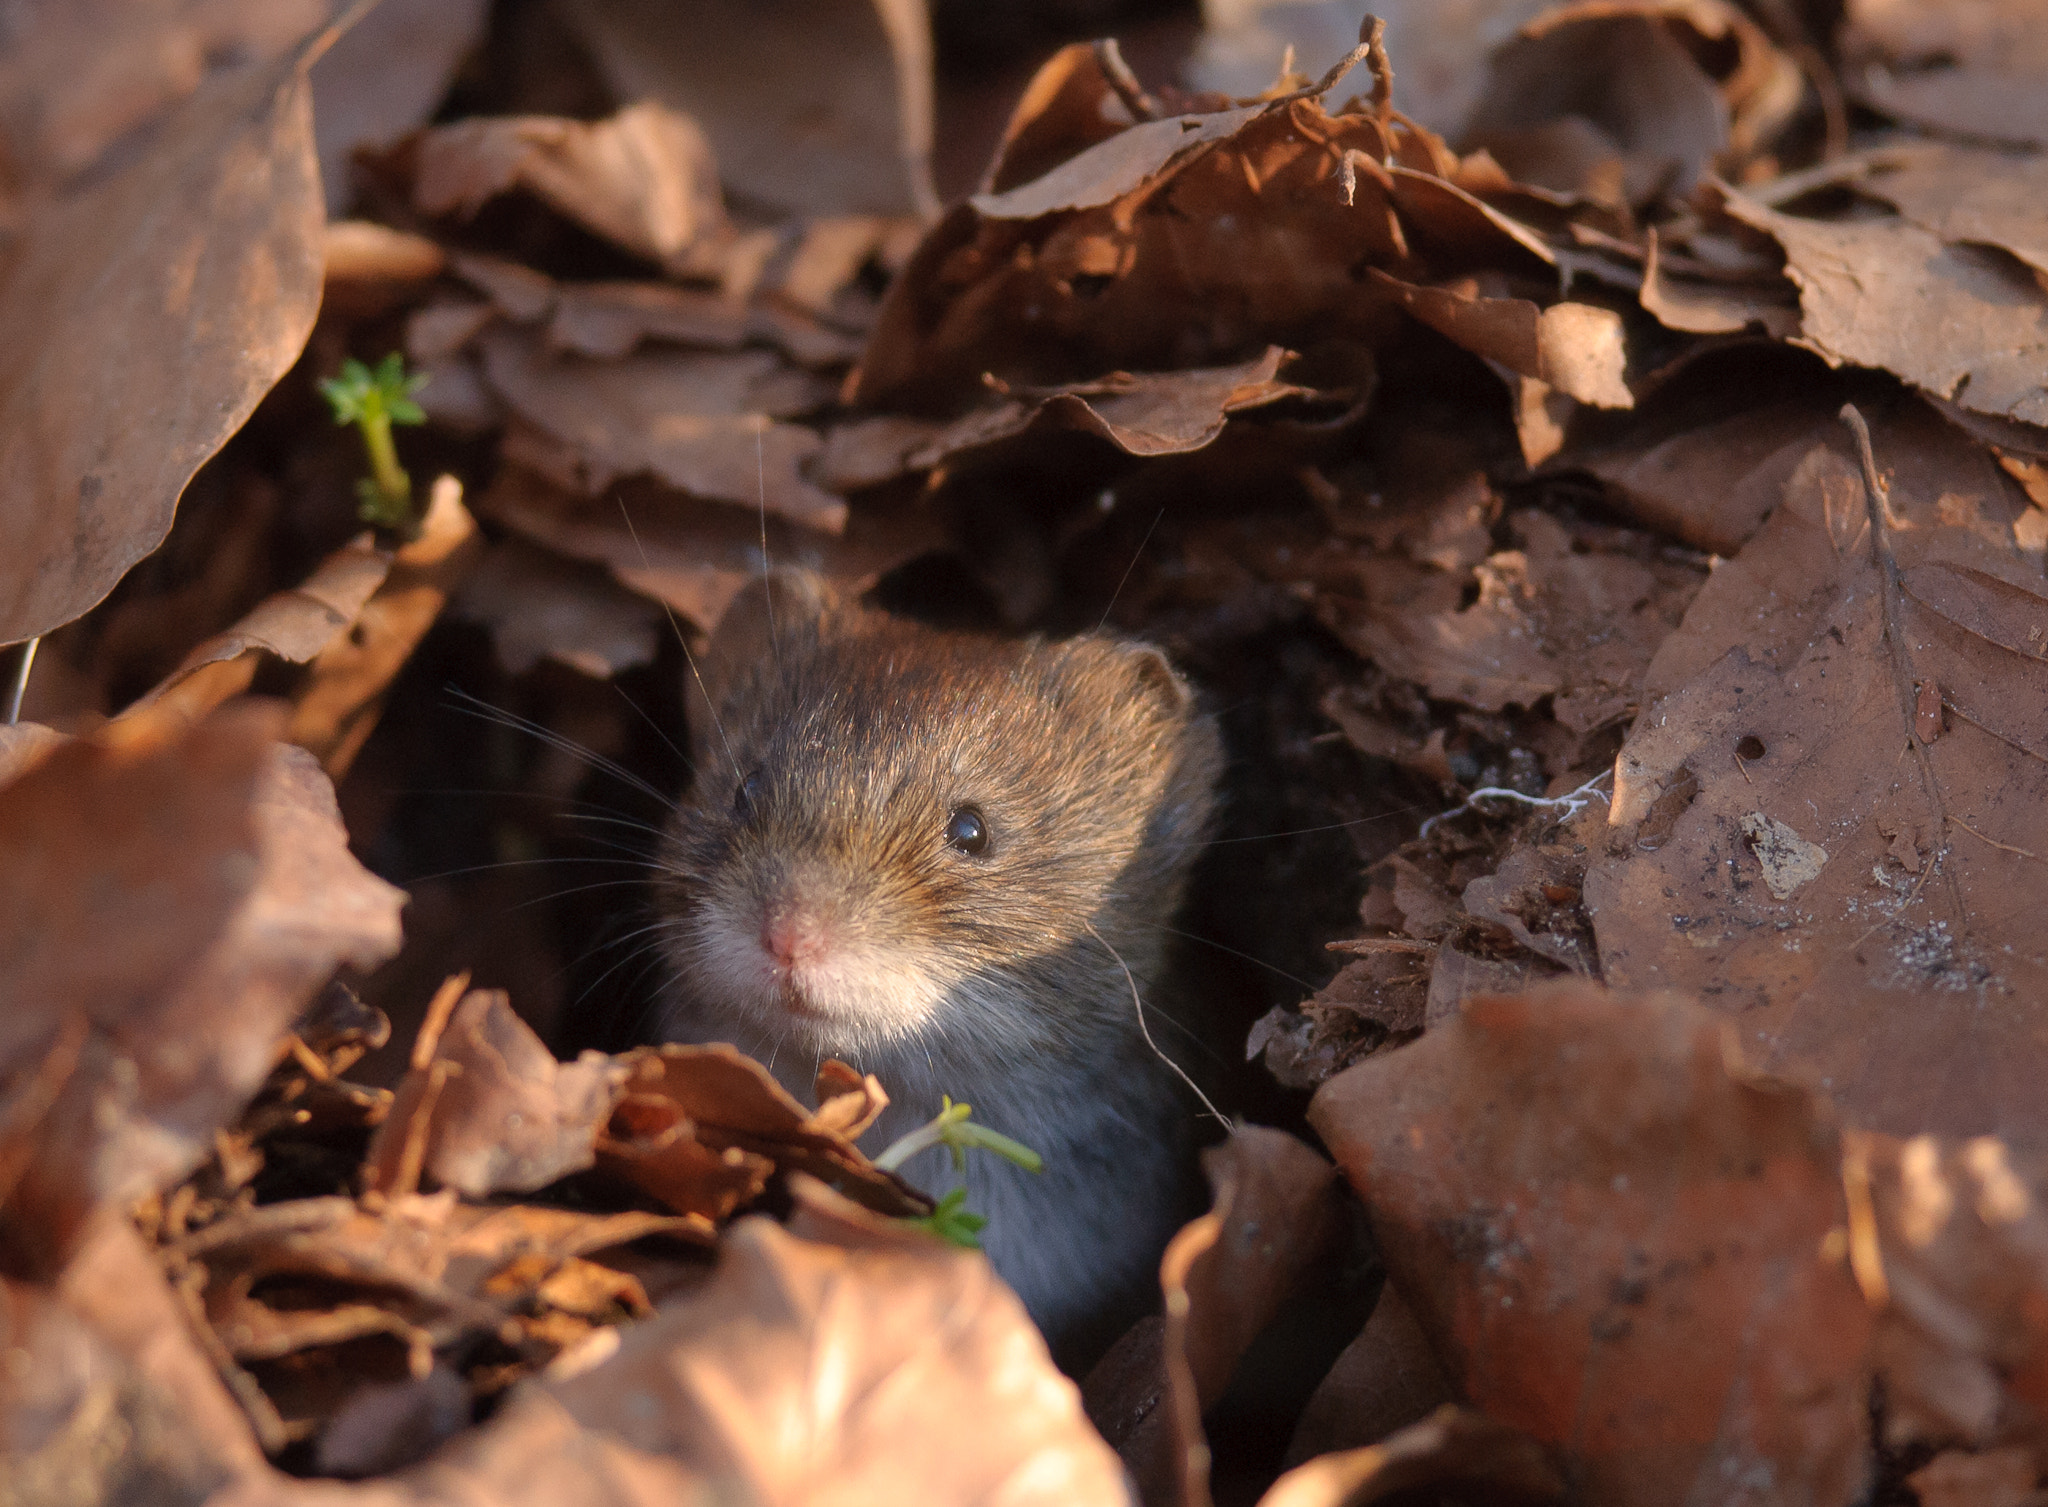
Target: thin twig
pixel 1878 503
pixel 1110 59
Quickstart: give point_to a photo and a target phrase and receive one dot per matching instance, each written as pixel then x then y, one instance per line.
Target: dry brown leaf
pixel 1576 348
pixel 1141 413
pixel 78 77
pixel 115 1284
pixel 292 625
pixel 608 320
pixel 182 890
pixel 1957 1266
pixel 703 422
pixel 386 77
pixel 145 316
pixel 372 269
pixel 1613 101
pixel 1861 894
pixel 1572 1188
pixel 1967 194
pixel 1439 47
pixel 862 1354
pixel 697 556
pixel 1714 306
pixel 1453 1454
pixel 1258 234
pixel 815 108
pixel 1969 67
pixel 1960 321
pixel 22 744
pixel 1996 1478
pixel 644 179
pixel 1386 1379
pixel 540 606
pixel 1276 1219
pixel 1549 621
pixel 338 705
pixel 1707 464
pixel 83 1423
pixel 714 1101
pixel 503 1116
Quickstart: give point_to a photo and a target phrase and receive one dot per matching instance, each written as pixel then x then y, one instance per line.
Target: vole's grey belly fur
pixel 949 861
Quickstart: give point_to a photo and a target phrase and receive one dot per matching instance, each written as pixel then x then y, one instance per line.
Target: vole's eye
pixel 966 831
pixel 748 794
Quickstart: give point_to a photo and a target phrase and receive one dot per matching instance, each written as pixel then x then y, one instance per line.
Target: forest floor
pixel 1592 458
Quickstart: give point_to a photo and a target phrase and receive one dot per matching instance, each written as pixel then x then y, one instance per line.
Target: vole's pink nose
pixel 792 934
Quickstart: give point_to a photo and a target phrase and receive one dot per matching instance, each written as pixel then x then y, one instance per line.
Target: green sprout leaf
pixel 953 1129
pixel 953 1221
pixel 373 401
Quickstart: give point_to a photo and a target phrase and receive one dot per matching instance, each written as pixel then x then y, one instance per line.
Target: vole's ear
pixel 1153 675
pixel 783 601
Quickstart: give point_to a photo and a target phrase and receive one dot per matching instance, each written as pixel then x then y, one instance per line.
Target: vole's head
pixel 900 837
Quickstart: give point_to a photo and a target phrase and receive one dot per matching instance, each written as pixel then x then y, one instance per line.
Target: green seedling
pixel 953 1221
pixel 373 401
pixel 953 1129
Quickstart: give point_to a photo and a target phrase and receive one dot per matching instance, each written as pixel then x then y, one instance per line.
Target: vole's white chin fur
pixel 860 1000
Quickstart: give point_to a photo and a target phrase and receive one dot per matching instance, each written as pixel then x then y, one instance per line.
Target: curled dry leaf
pixel 1613 101
pixel 1571 1188
pixel 540 606
pixel 1189 241
pixel 386 76
pixel 491 1110
pixel 1276 1222
pixel 77 78
pixel 293 625
pixel 1385 1380
pixel 697 556
pixel 800 1373
pixel 704 422
pixel 1957 320
pixel 1145 413
pixel 1969 67
pixel 864 1353
pixel 1453 1454
pixel 1561 617
pixel 337 706
pixel 702 1128
pixel 1956 1262
pixel 1886 947
pixel 644 179
pixel 182 891
pixel 816 107
pixel 161 301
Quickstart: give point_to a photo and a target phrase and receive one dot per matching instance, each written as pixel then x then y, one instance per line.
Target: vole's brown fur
pixel 836 744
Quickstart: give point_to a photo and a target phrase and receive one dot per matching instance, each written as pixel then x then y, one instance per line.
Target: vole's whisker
pixel 1124 579
pixel 681 641
pixel 1195 936
pixel 477 707
pixel 767 575
pixel 1146 1030
pixel 655 727
pixel 524 863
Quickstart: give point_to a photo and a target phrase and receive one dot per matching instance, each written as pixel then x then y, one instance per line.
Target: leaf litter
pixel 1475 407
